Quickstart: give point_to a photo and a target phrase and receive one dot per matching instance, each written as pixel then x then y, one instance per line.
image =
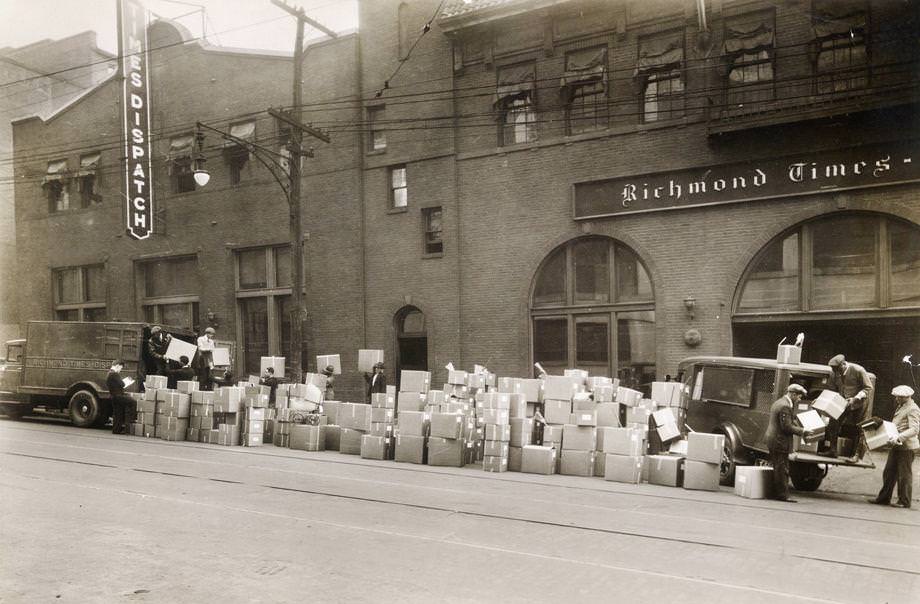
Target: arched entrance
pixel 850 282
pixel 411 341
pixel 592 308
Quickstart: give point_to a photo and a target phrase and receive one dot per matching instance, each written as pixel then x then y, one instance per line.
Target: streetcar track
pixel 482 476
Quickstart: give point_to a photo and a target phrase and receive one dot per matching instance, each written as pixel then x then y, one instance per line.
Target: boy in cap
pixel 779 438
pixel 901 456
pixel 852 382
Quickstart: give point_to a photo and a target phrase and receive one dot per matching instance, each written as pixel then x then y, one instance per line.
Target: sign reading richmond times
pixel 132 42
pixel 836 170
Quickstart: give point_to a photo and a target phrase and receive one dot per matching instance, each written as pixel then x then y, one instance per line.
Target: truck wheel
pixel 727 465
pixel 806 476
pixel 85 409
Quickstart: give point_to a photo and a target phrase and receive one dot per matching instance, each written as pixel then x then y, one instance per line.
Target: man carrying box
pixel 779 439
pixel 901 456
pixel 852 382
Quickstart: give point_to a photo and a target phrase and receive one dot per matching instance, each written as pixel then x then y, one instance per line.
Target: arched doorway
pixel 592 308
pixel 850 282
pixel 411 341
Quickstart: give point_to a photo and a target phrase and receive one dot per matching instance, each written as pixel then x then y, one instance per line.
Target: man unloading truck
pixel 779 438
pixel 852 382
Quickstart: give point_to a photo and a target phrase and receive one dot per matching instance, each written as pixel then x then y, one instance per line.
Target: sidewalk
pixel 861 481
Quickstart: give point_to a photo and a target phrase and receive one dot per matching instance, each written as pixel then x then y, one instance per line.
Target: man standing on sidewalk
pixel 901 456
pixel 779 439
pixel 122 406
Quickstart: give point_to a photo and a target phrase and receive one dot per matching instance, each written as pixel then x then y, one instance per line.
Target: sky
pixel 256 24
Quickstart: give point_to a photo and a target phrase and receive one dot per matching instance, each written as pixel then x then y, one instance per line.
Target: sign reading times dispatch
pixel 840 169
pixel 132 49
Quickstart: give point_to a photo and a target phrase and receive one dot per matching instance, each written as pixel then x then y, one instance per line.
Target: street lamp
pixel 199 172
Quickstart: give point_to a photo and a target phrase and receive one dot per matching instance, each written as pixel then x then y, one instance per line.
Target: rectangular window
pixel 235 153
pixel 515 103
pixel 748 49
pixel 180 163
pixel 840 42
pixel 79 293
pixel 551 343
pixel 263 302
pixel 433 241
pixel 376 135
pixel 729 385
pixel 56 187
pixel 86 180
pixel 660 69
pixel 399 188
pixel 584 90
pixel 169 291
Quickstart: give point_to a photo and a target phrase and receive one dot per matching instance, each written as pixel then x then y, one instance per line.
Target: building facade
pixel 613 186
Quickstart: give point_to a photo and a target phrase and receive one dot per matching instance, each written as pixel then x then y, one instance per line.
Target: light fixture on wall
pixel 199 172
pixel 690 305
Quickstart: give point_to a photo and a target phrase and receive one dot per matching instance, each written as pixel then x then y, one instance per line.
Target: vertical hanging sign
pixel 132 48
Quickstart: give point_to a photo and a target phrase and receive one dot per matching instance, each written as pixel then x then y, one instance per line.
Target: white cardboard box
pixel 179 348
pixel 368 358
pixel 753 482
pixel 276 363
pixel 324 360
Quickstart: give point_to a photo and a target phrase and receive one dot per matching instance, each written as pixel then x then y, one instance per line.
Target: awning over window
pixel 88 164
pixel 835 18
pixel 243 130
pixel 514 82
pixel 583 68
pixel 660 53
pixel 180 146
pixel 57 170
pixel 747 37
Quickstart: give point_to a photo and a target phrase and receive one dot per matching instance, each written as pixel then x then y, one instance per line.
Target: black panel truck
pixel 61 366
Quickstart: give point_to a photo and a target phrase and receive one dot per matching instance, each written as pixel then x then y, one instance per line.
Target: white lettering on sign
pixel 675 190
pixel 132 22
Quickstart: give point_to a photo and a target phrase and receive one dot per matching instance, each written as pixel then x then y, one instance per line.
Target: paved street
pixel 92 517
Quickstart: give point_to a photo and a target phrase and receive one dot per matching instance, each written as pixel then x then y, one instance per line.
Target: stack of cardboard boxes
pixel 173 408
pixel 201 416
pixel 380 442
pixel 227 403
pixel 146 417
pixel 354 421
pixel 704 455
pixel 494 410
pixel 252 418
pixel 624 450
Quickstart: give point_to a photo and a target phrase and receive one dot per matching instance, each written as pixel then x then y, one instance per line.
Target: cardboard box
pixel 561 387
pixel 786 353
pixel 251 440
pixel 701 476
pixel 579 438
pixel 608 415
pixel 577 463
pixel 350 441
pixel 202 397
pixel 155 382
pixel 517 406
pixel 802 446
pixel 515 459
pixel 375 447
pixel 494 400
pixel 606 393
pixel 354 416
pixel 811 420
pixel 495 464
pixel 414 381
pixel 367 359
pixel 179 348
pixel 187 386
pixel 446 451
pixel 333 437
pixel 413 423
pixel 379 415
pixel 882 436
pixel 583 401
pixel 556 411
pixel 665 470
pixel 668 432
pixel 664 416
pixel 229 399
pixel 495 448
pixel 584 418
pixel 494 416
pixel 705 447
pixel 281 440
pixel 382 400
pixel 666 394
pixel 552 435
pixel 624 441
pixel 580 374
pixel 628 397
pixel 532 389
pixel 456 377
pixel 507 384
pixel 175 434
pixel 382 429
pixel 175 404
pixel 754 482
pixel 255 426
pixel 446 425
pixel 592 383
pixel 637 415
pixel 600 464
pixel 411 401
pixel 830 403
pixel 325 360
pixel 521 431
pixel 227 439
pixel 536 459
pixel 432 397
pixel 500 433
pixel 410 449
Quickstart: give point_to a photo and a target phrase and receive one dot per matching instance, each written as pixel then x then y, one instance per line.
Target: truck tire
pixel 806 476
pixel 86 411
pixel 727 465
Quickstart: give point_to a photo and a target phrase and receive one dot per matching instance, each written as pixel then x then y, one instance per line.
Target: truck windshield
pixel 729 385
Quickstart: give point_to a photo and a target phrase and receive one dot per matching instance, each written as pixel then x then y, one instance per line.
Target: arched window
pixel 843 262
pixel 592 308
pixel 411 340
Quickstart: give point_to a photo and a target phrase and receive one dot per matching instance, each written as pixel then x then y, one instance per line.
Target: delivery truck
pixel 62 365
pixel 733 396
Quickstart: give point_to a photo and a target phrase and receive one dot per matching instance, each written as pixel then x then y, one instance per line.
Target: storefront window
pixel 843 252
pixel 773 283
pixel 550 287
pixel 169 293
pixel 264 297
pixel 592 271
pixel 632 280
pixel 550 343
pixel 905 264
pixel 636 348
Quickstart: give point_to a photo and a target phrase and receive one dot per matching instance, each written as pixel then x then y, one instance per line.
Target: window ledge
pixel 435 255
pixel 376 152
pixel 398 210
pixel 71 211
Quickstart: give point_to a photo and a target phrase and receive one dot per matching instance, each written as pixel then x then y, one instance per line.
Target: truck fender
pixel 102 393
pixel 734 442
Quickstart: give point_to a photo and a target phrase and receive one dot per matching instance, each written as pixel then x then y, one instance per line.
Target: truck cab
pixel 733 396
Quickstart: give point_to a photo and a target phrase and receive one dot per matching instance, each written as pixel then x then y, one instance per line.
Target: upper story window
pixel 399 187
pixel 515 102
pixel 169 291
pixel 748 51
pixel 376 135
pixel 584 90
pixel 434 244
pixel 79 293
pixel 87 180
pixel 56 186
pixel 180 163
pixel 659 71
pixel 237 155
pixel 840 45
pixel 263 293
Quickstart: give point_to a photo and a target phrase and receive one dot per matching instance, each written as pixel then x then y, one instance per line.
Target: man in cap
pixel 852 382
pixel 206 347
pixel 901 456
pixel 157 346
pixel 376 383
pixel 123 406
pixel 330 393
pixel 779 438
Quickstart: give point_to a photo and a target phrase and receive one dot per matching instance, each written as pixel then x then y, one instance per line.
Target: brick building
pixel 608 185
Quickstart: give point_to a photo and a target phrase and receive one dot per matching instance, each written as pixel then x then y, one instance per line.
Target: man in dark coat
pixel 852 382
pixel 181 371
pixel 157 346
pixel 779 438
pixel 376 383
pixel 122 405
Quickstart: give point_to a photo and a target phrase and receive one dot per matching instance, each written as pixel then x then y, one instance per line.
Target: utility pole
pixel 295 201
